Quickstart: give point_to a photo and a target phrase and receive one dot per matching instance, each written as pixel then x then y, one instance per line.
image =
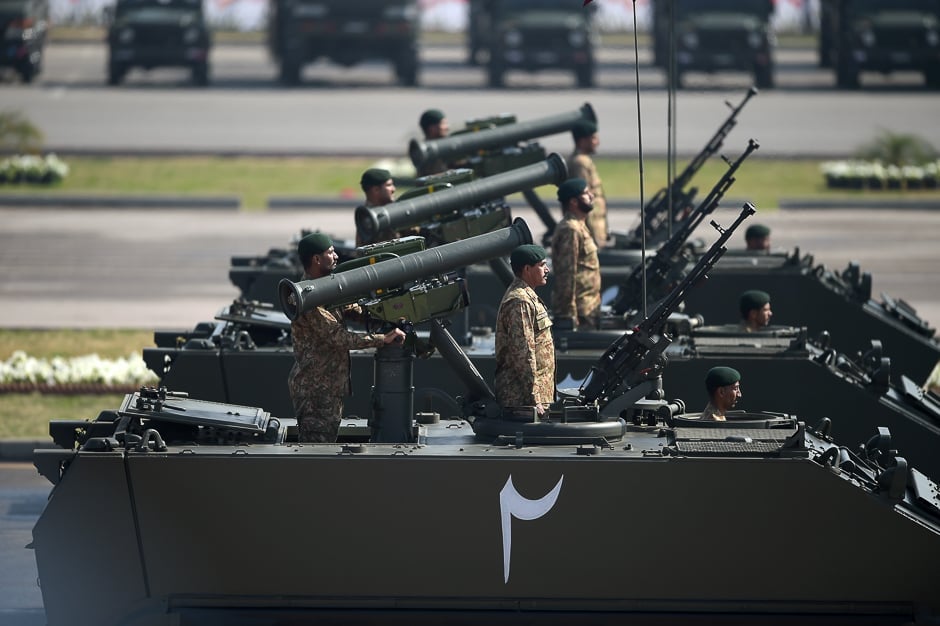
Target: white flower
pixel 22 368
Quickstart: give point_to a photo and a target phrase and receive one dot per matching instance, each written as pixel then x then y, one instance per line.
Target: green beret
pixel 431 117
pixel 312 244
pixel 583 128
pixel 753 299
pixel 374 176
pixel 721 377
pixel 528 254
pixel 756 231
pixel 571 188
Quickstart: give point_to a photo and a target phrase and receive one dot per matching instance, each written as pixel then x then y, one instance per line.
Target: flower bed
pixel 875 175
pixel 22 373
pixel 33 170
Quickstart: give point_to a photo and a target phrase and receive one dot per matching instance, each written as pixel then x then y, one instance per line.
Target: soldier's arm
pixel 330 332
pixel 565 248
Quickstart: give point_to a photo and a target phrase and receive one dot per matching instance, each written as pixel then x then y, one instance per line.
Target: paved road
pixel 360 111
pixel 23 494
pixel 149 268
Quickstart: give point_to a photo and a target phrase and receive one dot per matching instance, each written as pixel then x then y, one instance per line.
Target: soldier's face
pixel 761 317
pixel 588 145
pixel 758 243
pixel 586 201
pixel 726 397
pixel 387 192
pixel 535 275
pixel 436 131
pixel 327 260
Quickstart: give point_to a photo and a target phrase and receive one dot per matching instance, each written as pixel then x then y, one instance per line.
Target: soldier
pixel 757 238
pixel 380 190
pixel 320 376
pixel 434 125
pixel 724 390
pixel 755 310
pixel 576 292
pixel 525 350
pixel 581 165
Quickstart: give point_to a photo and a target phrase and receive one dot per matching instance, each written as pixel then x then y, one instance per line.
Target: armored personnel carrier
pixel 151 513
pixel 346 33
pixel 158 33
pixel 865 36
pixel 715 36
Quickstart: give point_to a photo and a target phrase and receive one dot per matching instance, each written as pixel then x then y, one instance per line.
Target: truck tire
pixel 290 72
pixel 764 76
pixel 584 74
pixel 496 75
pixel 846 75
pixel 932 76
pixel 406 69
pixel 200 74
pixel 116 73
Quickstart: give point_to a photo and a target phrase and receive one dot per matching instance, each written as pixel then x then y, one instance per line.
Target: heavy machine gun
pixel 677 199
pixel 663 269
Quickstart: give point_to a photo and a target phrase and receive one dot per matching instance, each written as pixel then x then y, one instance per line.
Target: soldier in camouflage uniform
pixel 434 125
pixel 319 379
pixel 379 188
pixel 581 165
pixel 755 310
pixel 576 291
pixel 525 350
pixel 724 390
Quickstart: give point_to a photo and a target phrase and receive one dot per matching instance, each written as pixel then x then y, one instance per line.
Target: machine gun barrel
pixel 659 266
pixel 416 211
pixel 300 297
pixel 655 213
pixel 637 355
pixel 464 144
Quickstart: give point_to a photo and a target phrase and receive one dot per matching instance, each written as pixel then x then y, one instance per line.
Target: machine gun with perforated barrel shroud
pixel 661 270
pixel 655 216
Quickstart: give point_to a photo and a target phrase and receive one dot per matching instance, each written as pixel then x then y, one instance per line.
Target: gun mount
pixel 673 203
pixel 462 210
pixel 499 136
pixel 662 270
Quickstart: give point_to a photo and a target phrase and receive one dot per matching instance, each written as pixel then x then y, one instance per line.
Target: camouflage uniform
pixel 525 351
pixel 711 414
pixel 582 166
pixel 319 379
pixel 576 292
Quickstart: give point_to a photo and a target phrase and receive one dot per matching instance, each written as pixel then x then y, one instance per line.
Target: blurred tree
pixel 897 149
pixel 18 134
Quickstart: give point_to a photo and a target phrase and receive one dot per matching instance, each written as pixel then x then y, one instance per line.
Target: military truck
pixel 869 36
pixel 24 24
pixel 715 36
pixel 346 33
pixel 157 33
pixel 533 35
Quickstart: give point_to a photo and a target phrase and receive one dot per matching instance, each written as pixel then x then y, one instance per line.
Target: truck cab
pixel 344 32
pixel 24 24
pixel 716 36
pixel 534 35
pixel 157 33
pixel 871 36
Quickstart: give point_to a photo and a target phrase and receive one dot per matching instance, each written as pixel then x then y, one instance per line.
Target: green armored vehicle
pixel 169 510
pixel 534 35
pixel 715 36
pixel 344 32
pixel 158 33
pixel 869 36
pixel 24 24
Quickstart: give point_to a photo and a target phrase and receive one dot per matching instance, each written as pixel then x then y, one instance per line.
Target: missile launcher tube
pixel 300 297
pixel 416 211
pixel 465 144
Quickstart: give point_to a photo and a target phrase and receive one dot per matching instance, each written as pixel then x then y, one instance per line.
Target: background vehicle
pixel 716 36
pixel 158 33
pixel 533 35
pixel 24 24
pixel 865 35
pixel 347 33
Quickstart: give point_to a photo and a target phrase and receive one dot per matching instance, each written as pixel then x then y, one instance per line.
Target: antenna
pixel 639 123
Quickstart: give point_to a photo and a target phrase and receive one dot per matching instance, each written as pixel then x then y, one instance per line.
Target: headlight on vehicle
pixel 191 35
pixel 690 39
pixel 754 39
pixel 126 35
pixel 576 39
pixel 310 10
pixel 513 38
pixel 932 38
pixel 406 12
